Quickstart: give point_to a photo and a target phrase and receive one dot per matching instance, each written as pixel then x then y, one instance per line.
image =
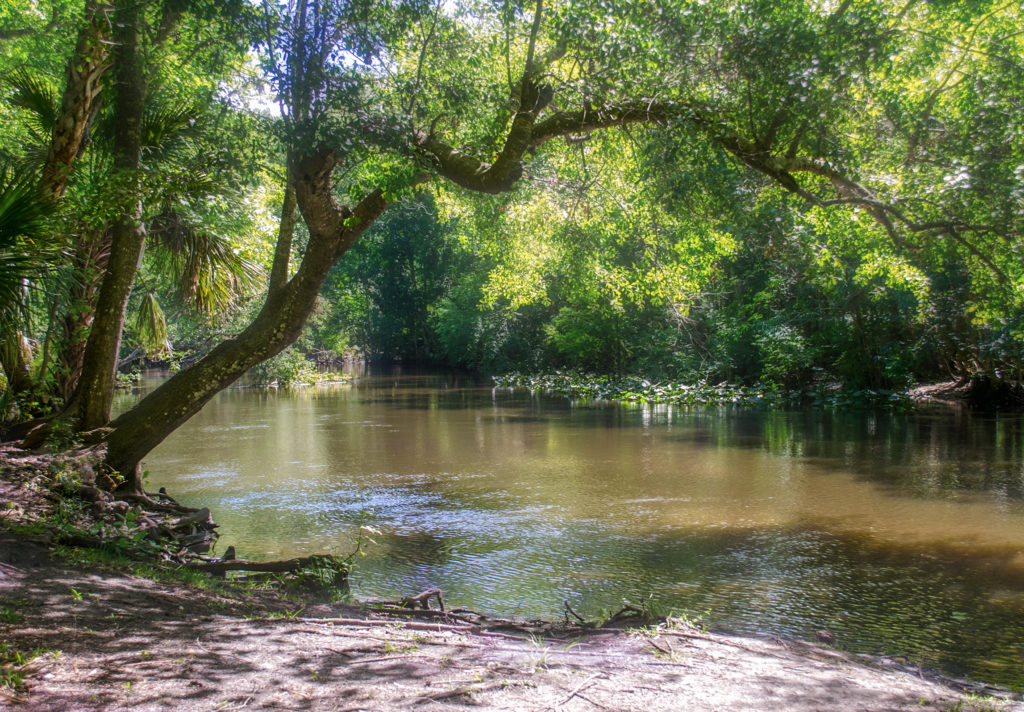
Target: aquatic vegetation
pixel 638 389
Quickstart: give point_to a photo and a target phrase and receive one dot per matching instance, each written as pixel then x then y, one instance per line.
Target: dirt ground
pixel 115 641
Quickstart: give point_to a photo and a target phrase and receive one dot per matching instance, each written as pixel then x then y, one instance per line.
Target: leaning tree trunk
pixel 332 231
pixel 90 404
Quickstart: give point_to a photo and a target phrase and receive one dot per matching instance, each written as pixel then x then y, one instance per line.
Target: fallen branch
pixel 420 613
pixel 577 616
pixel 285 566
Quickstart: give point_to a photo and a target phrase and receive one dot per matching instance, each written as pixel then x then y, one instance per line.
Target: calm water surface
pixel 902 534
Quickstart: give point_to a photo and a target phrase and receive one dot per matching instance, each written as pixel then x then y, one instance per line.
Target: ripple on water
pixel 898 533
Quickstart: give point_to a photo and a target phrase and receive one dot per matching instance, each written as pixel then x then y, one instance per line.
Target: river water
pixel 903 534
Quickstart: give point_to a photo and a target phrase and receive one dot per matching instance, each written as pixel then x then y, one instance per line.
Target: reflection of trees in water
pixel 421 548
pixel 929 453
pixel 926 453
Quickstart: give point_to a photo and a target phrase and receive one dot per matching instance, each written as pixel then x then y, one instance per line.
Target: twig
pixel 574 614
pixel 575 692
pixel 384 659
pixel 459 691
pixel 10 569
pixel 657 647
pixel 596 704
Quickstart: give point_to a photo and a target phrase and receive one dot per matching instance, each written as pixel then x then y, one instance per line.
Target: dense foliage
pixel 758 192
pixel 653 252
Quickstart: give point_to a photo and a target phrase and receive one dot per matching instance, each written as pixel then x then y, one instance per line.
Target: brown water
pixel 902 534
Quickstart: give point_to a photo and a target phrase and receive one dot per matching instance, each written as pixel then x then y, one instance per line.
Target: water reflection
pixel 900 533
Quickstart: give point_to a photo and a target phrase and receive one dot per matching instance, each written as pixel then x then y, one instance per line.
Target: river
pixel 902 534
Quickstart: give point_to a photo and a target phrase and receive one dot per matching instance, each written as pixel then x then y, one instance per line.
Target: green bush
pixel 283 369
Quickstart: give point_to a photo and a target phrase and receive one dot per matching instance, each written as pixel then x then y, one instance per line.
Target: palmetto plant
pixel 201 266
pixel 25 256
pixel 24 251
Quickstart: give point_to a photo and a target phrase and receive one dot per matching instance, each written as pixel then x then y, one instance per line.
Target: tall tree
pixel 90 404
pixel 81 99
pixel 68 126
pixel 381 97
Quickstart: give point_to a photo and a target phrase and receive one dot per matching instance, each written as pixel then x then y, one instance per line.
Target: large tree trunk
pixel 333 230
pixel 81 98
pixel 90 404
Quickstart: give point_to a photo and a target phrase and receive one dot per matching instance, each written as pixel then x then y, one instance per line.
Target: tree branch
pixel 537 16
pixel 474 174
pixel 285 232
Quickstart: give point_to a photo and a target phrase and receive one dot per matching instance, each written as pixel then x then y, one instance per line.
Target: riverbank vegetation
pixel 770 195
pixel 633 389
pixel 784 196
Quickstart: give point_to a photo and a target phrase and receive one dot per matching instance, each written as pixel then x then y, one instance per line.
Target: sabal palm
pixel 208 273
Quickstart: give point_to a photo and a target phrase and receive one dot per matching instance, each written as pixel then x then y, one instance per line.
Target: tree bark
pixel 85 69
pixel 285 233
pixel 90 404
pixel 333 229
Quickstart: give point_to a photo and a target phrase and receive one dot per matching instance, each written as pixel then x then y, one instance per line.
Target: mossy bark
pixel 90 404
pixel 333 229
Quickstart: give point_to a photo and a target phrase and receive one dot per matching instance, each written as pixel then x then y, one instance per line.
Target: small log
pixel 286 566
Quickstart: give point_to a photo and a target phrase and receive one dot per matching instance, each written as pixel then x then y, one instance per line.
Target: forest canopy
pixel 761 192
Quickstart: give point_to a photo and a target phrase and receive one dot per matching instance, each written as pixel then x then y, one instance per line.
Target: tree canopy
pixel 757 191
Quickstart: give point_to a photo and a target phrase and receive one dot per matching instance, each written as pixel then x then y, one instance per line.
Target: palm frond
pixel 208 271
pixel 22 209
pixel 22 255
pixel 38 98
pixel 165 126
pixel 151 328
